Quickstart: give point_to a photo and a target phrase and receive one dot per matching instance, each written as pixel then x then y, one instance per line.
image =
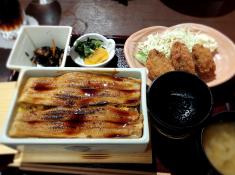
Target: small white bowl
pixel 108 44
pixel 33 37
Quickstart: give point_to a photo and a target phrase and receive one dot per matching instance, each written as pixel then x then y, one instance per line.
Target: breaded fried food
pixel 158 64
pixel 204 63
pixel 181 58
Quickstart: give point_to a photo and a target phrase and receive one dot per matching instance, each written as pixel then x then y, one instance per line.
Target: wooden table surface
pixel 118 17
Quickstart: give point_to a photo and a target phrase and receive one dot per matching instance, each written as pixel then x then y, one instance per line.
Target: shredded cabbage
pixel 163 42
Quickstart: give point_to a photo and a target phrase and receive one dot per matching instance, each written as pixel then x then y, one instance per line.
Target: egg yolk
pixel 99 56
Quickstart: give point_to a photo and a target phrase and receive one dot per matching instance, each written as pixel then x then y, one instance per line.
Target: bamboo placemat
pixel 57 154
pixel 84 170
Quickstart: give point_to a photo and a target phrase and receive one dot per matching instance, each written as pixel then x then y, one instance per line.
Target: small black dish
pixel 179 103
pixel 221 129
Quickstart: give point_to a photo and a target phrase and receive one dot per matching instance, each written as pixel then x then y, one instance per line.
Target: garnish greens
pixel 87 47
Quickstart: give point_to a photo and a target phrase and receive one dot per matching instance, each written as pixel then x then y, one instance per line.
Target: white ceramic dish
pixel 32 37
pixel 108 44
pixel 110 144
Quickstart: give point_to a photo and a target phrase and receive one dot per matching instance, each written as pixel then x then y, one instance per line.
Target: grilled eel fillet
pixel 78 105
pixel 103 121
pixel 81 89
pixel 100 113
pixel 73 129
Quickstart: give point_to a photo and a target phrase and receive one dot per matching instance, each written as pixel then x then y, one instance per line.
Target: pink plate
pixel 224 59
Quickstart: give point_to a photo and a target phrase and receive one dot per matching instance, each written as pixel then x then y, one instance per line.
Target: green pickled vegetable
pixel 87 47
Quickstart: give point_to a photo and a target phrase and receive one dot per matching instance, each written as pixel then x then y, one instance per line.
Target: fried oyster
pixel 181 58
pixel 204 63
pixel 157 64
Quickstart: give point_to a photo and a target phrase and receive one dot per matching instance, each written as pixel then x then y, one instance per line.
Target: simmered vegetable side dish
pixel 45 56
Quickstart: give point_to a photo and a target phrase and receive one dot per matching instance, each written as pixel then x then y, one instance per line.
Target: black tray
pixel 175 156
